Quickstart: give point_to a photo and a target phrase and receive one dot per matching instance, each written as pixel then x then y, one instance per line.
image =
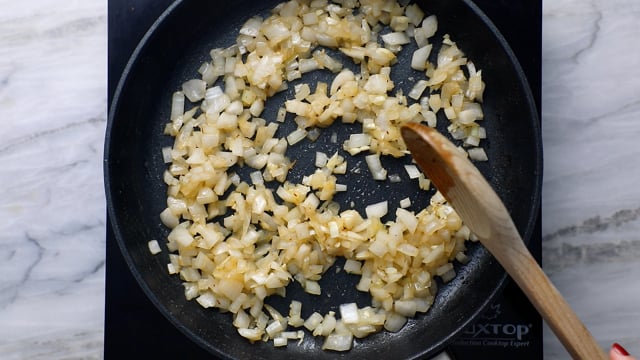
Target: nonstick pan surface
pixel 171 53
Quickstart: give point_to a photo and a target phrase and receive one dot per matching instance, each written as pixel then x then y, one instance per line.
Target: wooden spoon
pixel 481 209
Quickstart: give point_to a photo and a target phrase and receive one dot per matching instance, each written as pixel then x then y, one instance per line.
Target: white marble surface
pixel 53 116
pixel 591 201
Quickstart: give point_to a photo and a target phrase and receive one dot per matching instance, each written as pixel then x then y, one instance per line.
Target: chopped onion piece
pixel 194 89
pixel 407 219
pixel 252 27
pixel 375 167
pixel 341 79
pixel 420 57
pixel 256 178
pixel 423 182
pixel 395 38
pixel 416 91
pixel 208 300
pixel 295 313
pixel 338 342
pixel 166 154
pixel 274 328
pixel 394 322
pixel 353 266
pixel 399 23
pixel 321 159
pixel 279 341
pixel 296 136
pixel 308 65
pixel 412 171
pixel 169 219
pixel 406 308
pixel 477 154
pixel 341 187
pixel 313 321
pixel 359 140
pixel 377 210
pixel 177 105
pixel 312 287
pixel 414 13
pixel 254 334
pixel 472 141
pixel 154 247
pixel 349 313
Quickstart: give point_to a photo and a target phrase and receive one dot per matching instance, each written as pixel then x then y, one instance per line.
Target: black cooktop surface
pixel 134 328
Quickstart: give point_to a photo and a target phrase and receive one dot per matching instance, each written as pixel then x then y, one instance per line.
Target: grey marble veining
pixel 53 111
pixel 53 115
pixel 591 201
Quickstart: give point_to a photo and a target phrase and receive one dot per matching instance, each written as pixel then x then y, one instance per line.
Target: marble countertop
pixel 53 108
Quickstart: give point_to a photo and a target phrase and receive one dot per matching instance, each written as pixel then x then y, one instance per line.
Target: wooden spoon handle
pixel 506 245
pixel 564 322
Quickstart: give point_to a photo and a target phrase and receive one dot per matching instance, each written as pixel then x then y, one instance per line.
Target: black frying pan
pixel 171 52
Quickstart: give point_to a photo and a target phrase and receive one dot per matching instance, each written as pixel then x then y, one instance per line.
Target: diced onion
pixel 341 187
pixel 377 210
pixel 375 167
pixel 477 154
pixel 166 154
pixel 395 38
pixel 251 27
pixel 177 105
pixel 412 171
pixel 430 24
pixel 420 57
pixel 154 247
pixel 296 136
pixel 234 241
pixel 414 13
pixel 394 322
pixel 313 321
pixel 321 159
pixel 406 308
pixel 349 313
pixel 338 342
pixel 194 89
pixel 418 89
pixel 279 341
pixel 169 219
pixel 352 266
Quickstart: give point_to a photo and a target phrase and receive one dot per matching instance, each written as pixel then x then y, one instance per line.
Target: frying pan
pixel 171 52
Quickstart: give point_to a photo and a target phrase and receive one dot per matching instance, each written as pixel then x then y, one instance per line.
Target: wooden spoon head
pixel 456 178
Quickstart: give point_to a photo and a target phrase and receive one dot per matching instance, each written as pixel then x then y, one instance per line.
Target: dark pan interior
pixel 171 53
